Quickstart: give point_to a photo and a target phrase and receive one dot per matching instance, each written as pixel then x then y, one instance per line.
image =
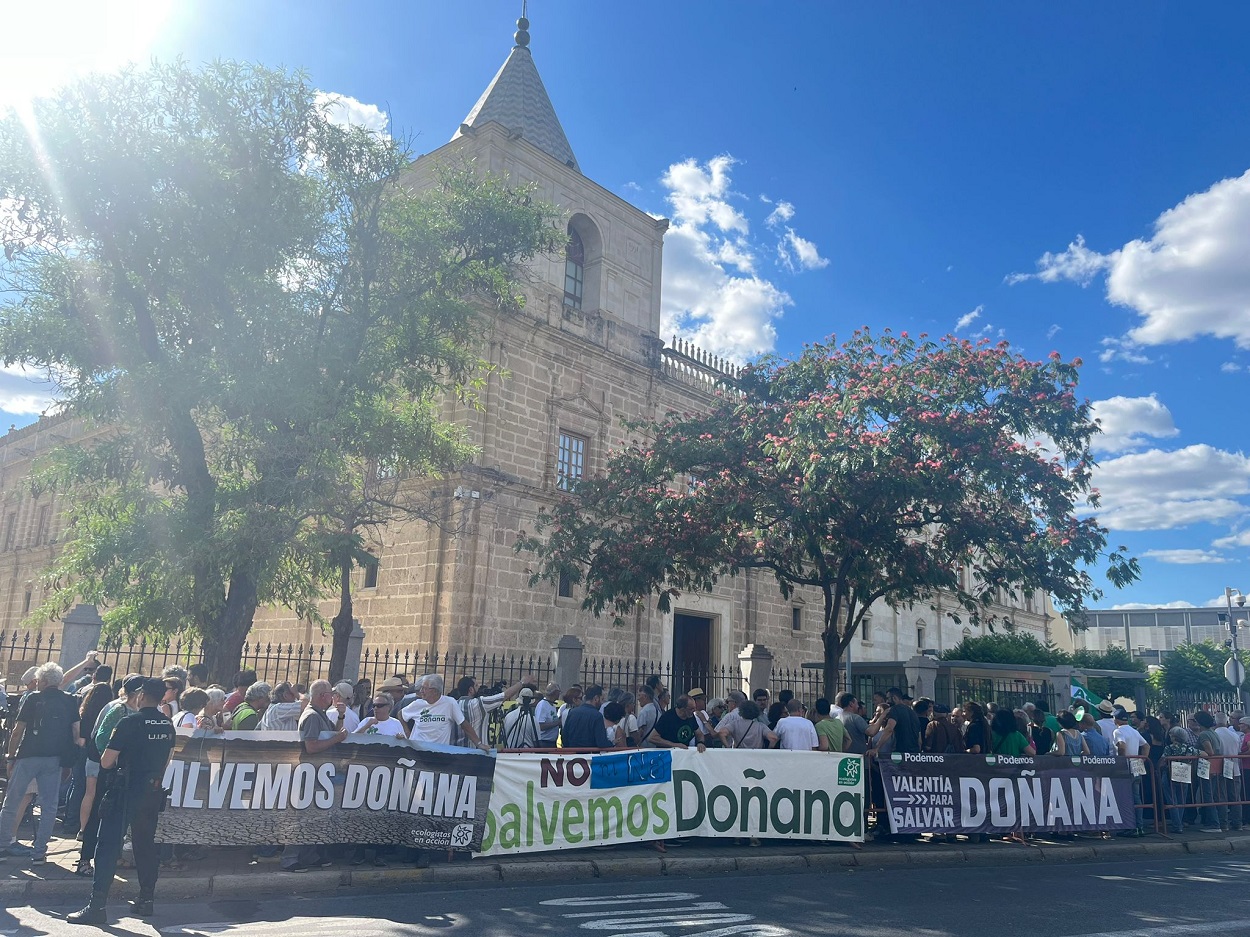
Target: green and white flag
pixel 1080 693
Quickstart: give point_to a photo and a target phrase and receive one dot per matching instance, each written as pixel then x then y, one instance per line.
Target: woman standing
pixel 1069 740
pixel 1007 738
pixel 976 729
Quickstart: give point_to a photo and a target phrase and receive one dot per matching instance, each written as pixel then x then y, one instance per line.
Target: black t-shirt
pixel 974 737
pixel 143 741
pixel 49 716
pixel 673 728
pixel 906 728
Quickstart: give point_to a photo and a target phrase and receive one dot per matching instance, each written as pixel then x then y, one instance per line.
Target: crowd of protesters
pixel 1185 759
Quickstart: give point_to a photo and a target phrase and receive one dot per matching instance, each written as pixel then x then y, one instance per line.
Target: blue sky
pixel 1068 179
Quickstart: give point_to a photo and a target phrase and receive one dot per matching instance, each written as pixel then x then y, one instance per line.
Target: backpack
pixel 55 716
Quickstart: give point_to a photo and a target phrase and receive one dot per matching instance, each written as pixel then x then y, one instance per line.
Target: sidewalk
pixel 226 872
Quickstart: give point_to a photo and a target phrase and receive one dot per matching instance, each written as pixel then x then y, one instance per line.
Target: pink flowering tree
pixel 885 469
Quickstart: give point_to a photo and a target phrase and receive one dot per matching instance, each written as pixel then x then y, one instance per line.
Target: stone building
pixel 585 352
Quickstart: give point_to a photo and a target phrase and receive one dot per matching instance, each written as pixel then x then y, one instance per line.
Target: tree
pixel 1197 669
pixel 1010 647
pixel 873 471
pixel 250 301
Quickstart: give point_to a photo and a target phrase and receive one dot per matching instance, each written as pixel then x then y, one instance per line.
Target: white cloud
pixel 1054 330
pixel 1156 490
pixel 24 392
pixel 1078 263
pixel 1186 557
pixel 1122 349
pixel 1189 279
pixel 968 318
pixel 779 215
pixel 1230 367
pixel 1239 539
pixel 1128 422
pixel 713 294
pixel 1132 606
pixel 348 112
pixel 797 253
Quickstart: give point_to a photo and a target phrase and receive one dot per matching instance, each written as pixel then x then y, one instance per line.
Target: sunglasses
pixel 381 704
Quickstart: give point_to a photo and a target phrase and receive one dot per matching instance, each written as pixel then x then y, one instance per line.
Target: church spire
pixel 516 99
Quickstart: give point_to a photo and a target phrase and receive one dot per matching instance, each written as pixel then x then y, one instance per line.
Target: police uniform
pixel 143 742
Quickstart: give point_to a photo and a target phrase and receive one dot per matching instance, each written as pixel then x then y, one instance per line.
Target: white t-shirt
pixel 796 734
pixel 388 726
pixel 186 720
pixel 432 722
pixel 351 721
pixel 1134 742
pixel 1107 728
pixel 1230 740
pixel 546 712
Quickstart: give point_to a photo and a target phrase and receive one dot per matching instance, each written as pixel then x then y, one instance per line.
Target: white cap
pixel 344 689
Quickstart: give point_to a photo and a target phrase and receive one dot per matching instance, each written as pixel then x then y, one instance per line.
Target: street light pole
pixel 1234 667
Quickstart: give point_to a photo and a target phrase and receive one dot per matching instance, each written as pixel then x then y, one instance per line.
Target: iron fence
pixel 953 691
pixel 490 670
pixel 20 650
pixel 274 663
pixel 1186 704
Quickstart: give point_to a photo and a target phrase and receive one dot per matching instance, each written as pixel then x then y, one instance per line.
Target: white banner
pixel 776 794
pixel 544 802
pixel 548 802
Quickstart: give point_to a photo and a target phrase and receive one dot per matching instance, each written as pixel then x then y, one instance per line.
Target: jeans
pixel 45 771
pixel 1210 790
pixel 77 788
pixel 1176 795
pixel 1139 799
pixel 138 806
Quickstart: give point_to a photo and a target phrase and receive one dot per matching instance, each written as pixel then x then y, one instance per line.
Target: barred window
pixel 796 618
pixel 565 587
pixel 570 460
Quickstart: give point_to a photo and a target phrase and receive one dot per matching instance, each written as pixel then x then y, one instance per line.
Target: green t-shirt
pixel 1013 744
pixel 834 731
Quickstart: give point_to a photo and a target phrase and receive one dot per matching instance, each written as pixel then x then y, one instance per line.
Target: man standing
pixel 46 730
pixel 1131 744
pixel 901 725
pixel 1230 775
pixel 433 715
pixel 140 748
pixel 795 732
pixel 478 706
pixel 317 734
pixel 1106 725
pixel 855 724
pixel 583 727
pixel 830 730
pixel 113 713
pixel 678 727
pixel 341 713
pixel 547 715
pixel 247 715
pixel 648 712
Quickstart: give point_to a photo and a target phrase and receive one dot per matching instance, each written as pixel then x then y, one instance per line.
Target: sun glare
pixel 51 43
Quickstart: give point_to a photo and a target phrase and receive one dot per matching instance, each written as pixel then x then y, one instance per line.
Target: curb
pixel 482 872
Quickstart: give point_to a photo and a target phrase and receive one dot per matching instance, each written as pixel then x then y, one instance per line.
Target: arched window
pixel 574 270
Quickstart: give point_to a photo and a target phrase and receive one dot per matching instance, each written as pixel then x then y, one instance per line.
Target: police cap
pixel 154 687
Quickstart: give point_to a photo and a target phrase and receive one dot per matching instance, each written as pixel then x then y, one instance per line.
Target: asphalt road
pixel 1173 898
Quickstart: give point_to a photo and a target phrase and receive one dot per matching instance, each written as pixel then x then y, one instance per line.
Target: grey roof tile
pixel 517 99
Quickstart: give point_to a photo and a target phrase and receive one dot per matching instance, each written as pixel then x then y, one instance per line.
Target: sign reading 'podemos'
pixel 930 793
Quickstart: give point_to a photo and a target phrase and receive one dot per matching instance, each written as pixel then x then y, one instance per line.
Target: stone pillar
pixel 355 644
pixel 566 660
pixel 1061 687
pixel 921 671
pixel 80 633
pixel 756 663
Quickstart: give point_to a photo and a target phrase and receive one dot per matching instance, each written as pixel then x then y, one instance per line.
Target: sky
pixel 1072 178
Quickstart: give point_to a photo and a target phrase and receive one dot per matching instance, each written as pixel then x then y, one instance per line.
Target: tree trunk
pixel 342 624
pixel 833 655
pixel 224 635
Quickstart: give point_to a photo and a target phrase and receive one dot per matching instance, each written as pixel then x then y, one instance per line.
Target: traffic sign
pixel 1234 672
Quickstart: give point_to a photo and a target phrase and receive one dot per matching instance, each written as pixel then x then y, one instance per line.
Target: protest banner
pixel 542 802
pixel 931 793
pixel 260 787
pixel 776 794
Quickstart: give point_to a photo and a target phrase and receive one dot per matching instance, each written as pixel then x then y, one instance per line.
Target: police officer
pixel 140 748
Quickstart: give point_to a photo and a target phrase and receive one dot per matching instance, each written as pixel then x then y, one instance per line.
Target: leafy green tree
pixel 1007 647
pixel 869 471
pixel 1197 669
pixel 250 302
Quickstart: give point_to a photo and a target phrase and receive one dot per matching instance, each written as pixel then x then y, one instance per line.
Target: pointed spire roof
pixel 517 99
